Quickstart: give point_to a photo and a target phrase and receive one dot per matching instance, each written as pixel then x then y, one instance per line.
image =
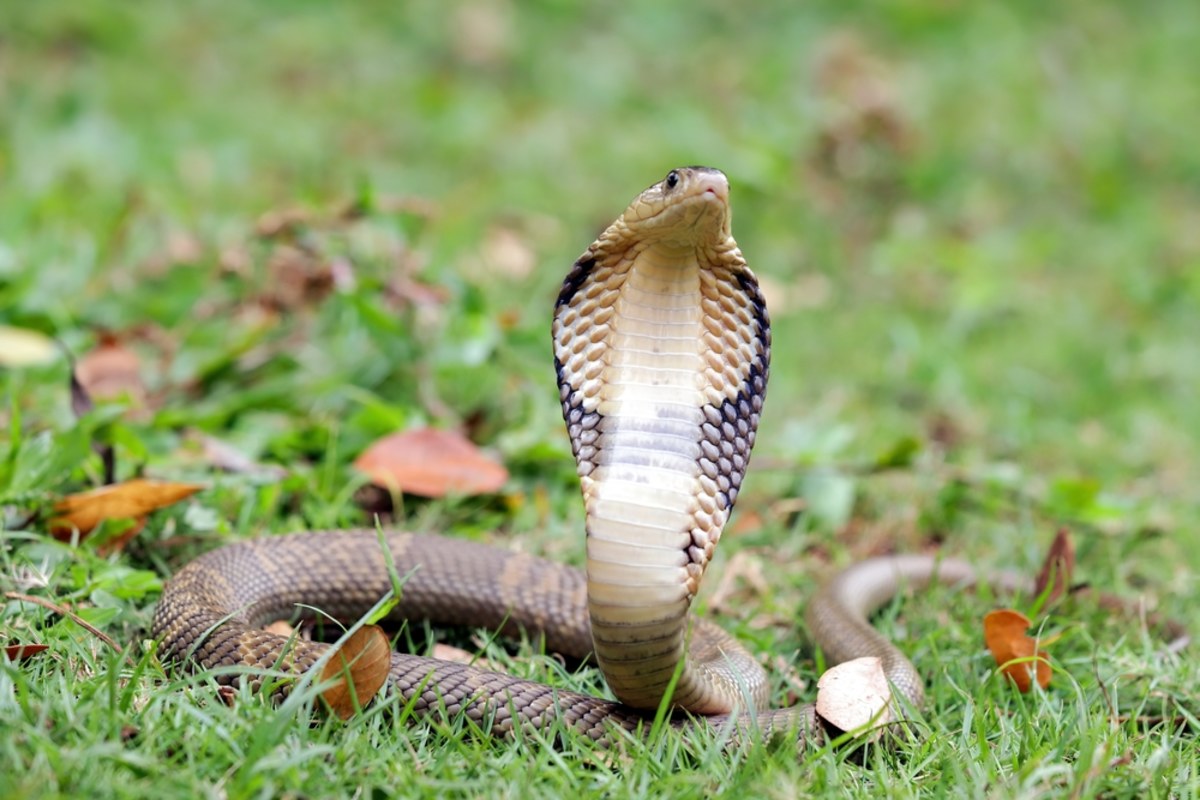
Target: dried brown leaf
pixel 21 652
pixel 1015 652
pixel 1058 567
pixel 431 463
pixel 298 277
pixel 132 499
pixel 360 668
pixel 112 372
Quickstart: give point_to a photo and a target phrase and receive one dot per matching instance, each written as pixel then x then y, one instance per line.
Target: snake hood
pixel 662 344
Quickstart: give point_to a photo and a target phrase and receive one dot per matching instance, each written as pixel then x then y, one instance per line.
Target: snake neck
pixel 640 499
pixel 661 359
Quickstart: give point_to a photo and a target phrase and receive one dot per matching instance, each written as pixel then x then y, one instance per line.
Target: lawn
pixel 314 224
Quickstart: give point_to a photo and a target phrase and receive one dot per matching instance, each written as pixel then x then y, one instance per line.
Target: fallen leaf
pixel 298 277
pixel 21 652
pixel 21 347
pixel 1015 652
pixel 1057 569
pixel 132 499
pixel 359 667
pixel 431 463
pixel 280 628
pixel 854 695
pixel 111 372
pixel 227 695
pixel 456 654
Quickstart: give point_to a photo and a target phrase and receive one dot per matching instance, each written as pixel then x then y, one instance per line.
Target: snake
pixel 662 347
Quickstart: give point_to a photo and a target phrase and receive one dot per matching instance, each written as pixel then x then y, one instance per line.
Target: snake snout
pixel 716 184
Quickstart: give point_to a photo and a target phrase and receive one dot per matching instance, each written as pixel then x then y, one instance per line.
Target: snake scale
pixel 662 348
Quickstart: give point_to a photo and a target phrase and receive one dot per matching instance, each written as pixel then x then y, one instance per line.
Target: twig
pixel 71 615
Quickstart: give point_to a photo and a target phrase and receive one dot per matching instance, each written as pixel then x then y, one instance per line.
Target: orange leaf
pixel 129 500
pixel 431 463
pixel 359 667
pixel 1015 652
pixel 1058 566
pixel 20 652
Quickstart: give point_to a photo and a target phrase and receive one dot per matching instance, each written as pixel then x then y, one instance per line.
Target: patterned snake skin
pixel 661 347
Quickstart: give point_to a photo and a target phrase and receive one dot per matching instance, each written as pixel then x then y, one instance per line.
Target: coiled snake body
pixel 661 347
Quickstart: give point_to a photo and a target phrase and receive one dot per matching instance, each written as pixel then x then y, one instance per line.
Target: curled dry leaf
pixel 1016 653
pixel 359 668
pixel 1055 576
pixel 227 695
pixel 20 652
pixel 855 695
pixel 431 463
pixel 132 499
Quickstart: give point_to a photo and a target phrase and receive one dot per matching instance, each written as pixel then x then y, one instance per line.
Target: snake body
pixel 661 349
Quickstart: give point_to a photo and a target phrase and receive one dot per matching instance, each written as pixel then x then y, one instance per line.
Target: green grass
pixel 978 226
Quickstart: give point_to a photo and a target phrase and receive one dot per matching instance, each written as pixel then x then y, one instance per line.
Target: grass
pixel 977 226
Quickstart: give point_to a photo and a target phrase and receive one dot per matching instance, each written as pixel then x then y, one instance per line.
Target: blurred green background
pixel 977 224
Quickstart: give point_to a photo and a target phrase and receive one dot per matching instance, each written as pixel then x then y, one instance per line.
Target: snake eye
pixel 672 179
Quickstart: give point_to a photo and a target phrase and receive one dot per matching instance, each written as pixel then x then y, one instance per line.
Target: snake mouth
pixel 695 218
pixel 714 184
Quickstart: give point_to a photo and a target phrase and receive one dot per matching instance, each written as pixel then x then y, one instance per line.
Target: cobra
pixel 662 348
